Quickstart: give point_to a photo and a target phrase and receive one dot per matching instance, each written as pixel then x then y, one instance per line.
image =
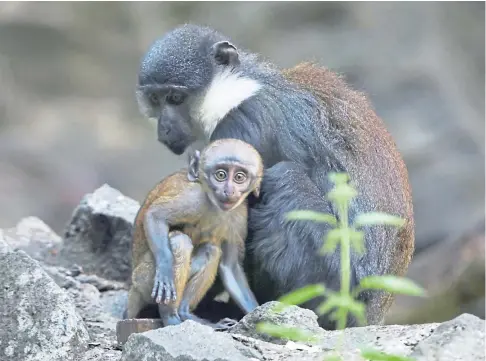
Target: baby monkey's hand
pixel 164 288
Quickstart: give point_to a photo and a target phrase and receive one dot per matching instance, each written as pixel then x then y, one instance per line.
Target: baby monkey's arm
pixel 177 205
pixel 234 278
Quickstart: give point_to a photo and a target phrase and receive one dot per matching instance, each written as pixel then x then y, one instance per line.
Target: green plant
pixel 340 304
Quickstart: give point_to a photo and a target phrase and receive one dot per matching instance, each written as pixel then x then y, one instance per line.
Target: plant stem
pixel 345 261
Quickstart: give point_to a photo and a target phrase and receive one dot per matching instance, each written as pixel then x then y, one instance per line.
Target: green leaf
pixel 290 333
pixel 377 218
pixel 338 178
pixel 337 304
pixel 355 307
pixel 392 284
pixel 324 308
pixel 342 193
pixel 338 315
pixel 374 355
pixel 332 240
pixel 334 236
pixel 305 215
pixel 303 294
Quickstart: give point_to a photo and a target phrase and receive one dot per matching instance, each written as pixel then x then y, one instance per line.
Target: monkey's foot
pixel 169 318
pixel 125 328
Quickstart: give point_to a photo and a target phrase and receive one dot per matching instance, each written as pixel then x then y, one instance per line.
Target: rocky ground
pixel 62 296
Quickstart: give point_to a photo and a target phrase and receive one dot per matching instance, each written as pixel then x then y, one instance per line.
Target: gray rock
pixel 38 321
pixel 191 341
pixel 100 283
pixel 57 332
pixel 99 311
pixel 291 316
pixel 34 237
pixel 393 339
pixel 71 278
pixel 114 302
pixel 172 343
pixel 101 354
pixel 459 339
pixel 61 276
pixel 99 234
pixel 100 323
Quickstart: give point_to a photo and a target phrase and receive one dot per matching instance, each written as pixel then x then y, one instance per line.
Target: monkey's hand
pixel 164 287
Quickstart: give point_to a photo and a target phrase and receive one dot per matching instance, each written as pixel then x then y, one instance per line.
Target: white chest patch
pixel 226 91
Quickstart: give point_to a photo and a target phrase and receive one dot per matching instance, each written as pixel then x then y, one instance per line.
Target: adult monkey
pixel 305 122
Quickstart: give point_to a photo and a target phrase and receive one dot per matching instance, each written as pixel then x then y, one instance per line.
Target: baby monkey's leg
pixel 142 282
pixel 204 267
pixel 135 303
pixel 181 246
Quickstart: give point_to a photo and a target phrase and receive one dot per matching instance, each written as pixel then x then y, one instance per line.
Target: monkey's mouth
pixel 227 204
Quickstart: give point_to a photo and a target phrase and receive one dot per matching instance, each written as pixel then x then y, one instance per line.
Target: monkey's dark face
pixel 189 80
pixel 169 106
pixel 229 184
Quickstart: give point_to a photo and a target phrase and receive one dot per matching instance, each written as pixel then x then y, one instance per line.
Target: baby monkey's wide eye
pixel 239 177
pixel 220 175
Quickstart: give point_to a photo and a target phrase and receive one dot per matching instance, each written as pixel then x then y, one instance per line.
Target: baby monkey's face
pixel 229 184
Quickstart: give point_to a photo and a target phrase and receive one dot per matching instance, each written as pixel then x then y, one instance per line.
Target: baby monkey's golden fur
pixel 196 231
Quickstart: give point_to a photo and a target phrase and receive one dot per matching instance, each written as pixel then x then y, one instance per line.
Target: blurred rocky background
pixel 69 121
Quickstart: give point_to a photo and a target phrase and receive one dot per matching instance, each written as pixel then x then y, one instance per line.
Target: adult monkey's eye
pixel 154 99
pixel 239 177
pixel 220 175
pixel 175 98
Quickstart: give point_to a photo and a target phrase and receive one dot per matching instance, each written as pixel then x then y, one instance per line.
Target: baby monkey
pixel 192 224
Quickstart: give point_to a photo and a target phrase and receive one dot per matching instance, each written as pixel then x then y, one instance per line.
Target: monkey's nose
pixel 229 192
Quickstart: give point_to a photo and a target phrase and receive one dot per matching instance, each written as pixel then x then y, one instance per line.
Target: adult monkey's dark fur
pixel 305 122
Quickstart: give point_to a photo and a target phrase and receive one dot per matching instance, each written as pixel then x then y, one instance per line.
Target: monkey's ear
pixel 193 166
pixel 258 184
pixel 225 53
pixel 256 192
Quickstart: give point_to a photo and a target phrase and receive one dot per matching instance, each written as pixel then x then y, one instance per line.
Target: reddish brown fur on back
pixel 341 102
pixel 371 157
